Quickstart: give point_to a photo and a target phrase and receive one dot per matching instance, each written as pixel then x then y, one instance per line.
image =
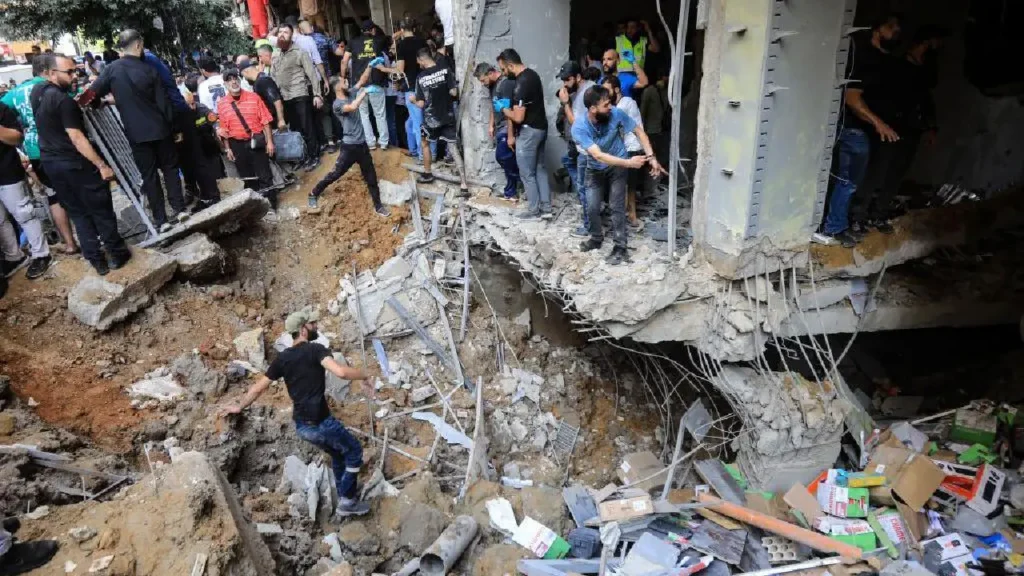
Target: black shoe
pixel 618 256
pixel 846 239
pixel 425 178
pixel 26 556
pixel 3 286
pixel 351 508
pixel 589 245
pixel 118 263
pixel 9 267
pixel 102 268
pixel 883 226
pixel 38 267
pixel 312 165
pixel 329 148
pixel 11 525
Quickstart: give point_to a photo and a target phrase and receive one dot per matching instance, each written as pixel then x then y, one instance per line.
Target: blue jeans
pixel 412 129
pixel 346 453
pixel 854 151
pixel 530 156
pixel 506 158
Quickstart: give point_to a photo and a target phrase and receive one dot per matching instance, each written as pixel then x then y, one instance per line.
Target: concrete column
pixel 538 30
pixel 770 100
pixel 379 15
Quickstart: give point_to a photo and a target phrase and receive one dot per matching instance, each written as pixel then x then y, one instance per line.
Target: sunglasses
pixel 70 71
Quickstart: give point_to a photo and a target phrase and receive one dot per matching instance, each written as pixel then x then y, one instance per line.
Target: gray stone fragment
pixel 824 294
pixel 101 302
pixel 395 267
pixel 268 529
pixel 250 347
pixel 199 259
pixel 225 217
pixel 394 194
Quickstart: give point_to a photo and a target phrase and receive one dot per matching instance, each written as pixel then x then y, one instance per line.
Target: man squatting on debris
pixel 354 149
pixel 302 367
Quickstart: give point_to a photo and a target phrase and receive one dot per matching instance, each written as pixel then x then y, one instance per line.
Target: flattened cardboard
pixel 800 499
pixel 626 509
pixel 640 465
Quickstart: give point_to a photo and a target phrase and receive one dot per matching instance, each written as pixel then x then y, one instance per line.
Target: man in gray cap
pixel 302 368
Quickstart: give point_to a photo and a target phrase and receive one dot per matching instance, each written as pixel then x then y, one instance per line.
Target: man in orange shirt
pixel 245 131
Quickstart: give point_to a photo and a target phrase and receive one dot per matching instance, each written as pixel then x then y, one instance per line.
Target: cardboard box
pixel 854 532
pixel 978 487
pixel 917 481
pixel 540 540
pixel 626 509
pixel 640 465
pixel 843 502
pixel 801 500
pixel 974 427
pixel 892 524
pixel 958 566
pixel 946 547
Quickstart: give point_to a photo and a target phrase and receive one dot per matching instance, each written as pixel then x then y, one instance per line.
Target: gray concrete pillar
pixel 770 103
pixel 379 15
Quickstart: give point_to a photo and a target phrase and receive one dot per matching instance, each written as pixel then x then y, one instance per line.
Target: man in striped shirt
pixel 243 115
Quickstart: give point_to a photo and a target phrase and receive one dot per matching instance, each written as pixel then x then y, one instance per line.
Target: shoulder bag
pixel 257 141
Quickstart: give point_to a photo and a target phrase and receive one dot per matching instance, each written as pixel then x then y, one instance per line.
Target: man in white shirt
pixel 212 88
pixel 633 146
pixel 447 17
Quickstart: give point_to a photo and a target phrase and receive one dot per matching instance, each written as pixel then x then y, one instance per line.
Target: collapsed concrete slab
pixel 183 518
pixel 101 302
pixel 225 217
pixel 199 259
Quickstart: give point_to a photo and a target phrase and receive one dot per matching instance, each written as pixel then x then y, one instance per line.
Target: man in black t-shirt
pixel 868 104
pixel 78 174
pixel 502 91
pixel 435 94
pixel 531 122
pixel 302 368
pixel 366 50
pixel 407 51
pixel 16 202
pixel 264 86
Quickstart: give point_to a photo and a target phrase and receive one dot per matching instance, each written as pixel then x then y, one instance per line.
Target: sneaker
pixel 580 232
pixel 330 148
pixel 589 245
pixel 618 256
pixel 38 267
pixel 165 227
pixel 347 508
pixel 883 226
pixel 9 267
pixel 313 165
pixel 118 263
pixel 24 557
pixel 859 229
pixel 383 147
pixel 425 178
pixel 372 146
pixel 101 267
pixel 382 211
pixel 312 201
pixel 548 215
pixel 181 216
pixel 823 239
pixel 528 215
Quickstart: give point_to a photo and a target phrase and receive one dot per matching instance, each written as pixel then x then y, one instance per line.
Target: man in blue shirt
pixel 600 133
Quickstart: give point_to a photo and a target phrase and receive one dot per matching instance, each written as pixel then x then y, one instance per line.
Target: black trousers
pixel 301 116
pixel 887 166
pixel 199 169
pixel 321 115
pixel 86 197
pixel 160 154
pixel 252 163
pixel 348 155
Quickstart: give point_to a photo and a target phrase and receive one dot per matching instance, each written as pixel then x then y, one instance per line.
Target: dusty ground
pixel 79 377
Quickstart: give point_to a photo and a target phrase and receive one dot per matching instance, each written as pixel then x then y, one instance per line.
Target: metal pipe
pixel 677 104
pixel 675 457
pixel 449 546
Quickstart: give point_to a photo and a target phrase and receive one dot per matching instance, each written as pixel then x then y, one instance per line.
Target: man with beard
pixel 531 121
pixel 293 70
pixel 574 86
pixel 302 367
pixel 633 148
pixel 435 94
pixel 600 133
pixel 869 102
pixel 632 48
pixel 243 118
pixel 78 174
pixel 630 81
pixel 502 91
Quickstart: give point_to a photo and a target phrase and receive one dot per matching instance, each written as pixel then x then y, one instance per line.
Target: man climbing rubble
pixel 302 368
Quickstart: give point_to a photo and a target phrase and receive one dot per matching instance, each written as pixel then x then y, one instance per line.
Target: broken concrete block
pixel 268 529
pixel 824 294
pixel 199 259
pixel 334 544
pixel 337 388
pixel 158 385
pixel 293 476
pixel 395 267
pixel 394 194
pixel 81 533
pixel 101 302
pixel 225 217
pixel 422 393
pixel 250 347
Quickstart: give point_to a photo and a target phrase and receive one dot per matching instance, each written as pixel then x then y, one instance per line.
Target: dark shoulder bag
pixel 257 141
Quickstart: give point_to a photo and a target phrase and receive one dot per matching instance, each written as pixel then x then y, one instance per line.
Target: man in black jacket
pixel 148 118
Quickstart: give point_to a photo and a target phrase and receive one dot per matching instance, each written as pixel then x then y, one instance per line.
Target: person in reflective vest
pixel 634 45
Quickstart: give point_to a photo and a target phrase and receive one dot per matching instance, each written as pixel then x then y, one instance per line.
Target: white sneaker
pixel 823 239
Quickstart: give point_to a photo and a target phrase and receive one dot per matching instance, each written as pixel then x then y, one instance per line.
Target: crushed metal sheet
pixel 447 431
pixel 581 504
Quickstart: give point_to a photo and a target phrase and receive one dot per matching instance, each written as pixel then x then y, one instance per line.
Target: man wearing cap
pixel 264 86
pixel 365 51
pixel 502 91
pixel 570 96
pixel 244 122
pixel 302 368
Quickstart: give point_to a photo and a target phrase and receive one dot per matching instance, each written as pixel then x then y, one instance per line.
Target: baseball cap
pixel 368 25
pixel 296 320
pixel 568 70
pixel 230 73
pixel 245 64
